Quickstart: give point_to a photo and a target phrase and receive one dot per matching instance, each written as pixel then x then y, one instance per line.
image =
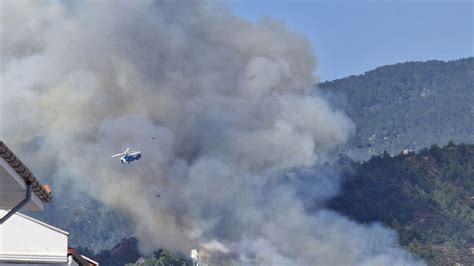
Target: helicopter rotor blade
pixel 116 155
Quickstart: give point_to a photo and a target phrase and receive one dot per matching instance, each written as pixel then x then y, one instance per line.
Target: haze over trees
pixel 407 105
pixel 428 198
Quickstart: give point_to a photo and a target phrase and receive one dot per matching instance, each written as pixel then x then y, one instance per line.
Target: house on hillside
pixel 24 240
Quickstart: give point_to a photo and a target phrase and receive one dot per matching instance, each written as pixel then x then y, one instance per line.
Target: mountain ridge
pixel 406 105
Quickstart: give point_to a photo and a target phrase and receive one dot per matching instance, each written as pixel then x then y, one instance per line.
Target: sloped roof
pixel 90 261
pixel 81 259
pixel 42 191
pixel 36 221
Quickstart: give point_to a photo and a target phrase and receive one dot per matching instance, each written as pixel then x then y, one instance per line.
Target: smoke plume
pixel 218 106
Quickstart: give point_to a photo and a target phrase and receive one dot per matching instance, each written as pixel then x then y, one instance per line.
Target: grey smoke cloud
pixel 229 105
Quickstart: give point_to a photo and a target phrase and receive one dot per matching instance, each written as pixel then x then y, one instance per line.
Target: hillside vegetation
pixel 408 105
pixel 90 223
pixel 428 198
pixel 126 252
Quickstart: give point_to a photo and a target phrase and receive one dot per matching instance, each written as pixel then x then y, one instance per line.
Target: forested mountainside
pixel 427 197
pixel 407 105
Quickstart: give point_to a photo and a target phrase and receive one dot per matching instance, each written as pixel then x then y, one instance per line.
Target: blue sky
pixel 350 37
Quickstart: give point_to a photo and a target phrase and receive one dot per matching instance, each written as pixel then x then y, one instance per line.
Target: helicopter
pixel 127 157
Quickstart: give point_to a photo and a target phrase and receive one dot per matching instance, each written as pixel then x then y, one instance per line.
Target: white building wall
pixel 70 262
pixel 26 240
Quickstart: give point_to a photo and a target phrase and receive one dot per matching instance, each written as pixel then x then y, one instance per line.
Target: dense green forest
pixel 427 197
pixel 407 105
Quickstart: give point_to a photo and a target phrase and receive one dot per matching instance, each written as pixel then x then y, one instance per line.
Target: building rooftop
pixel 42 191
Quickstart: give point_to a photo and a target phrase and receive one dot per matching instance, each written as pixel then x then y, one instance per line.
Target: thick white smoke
pixel 217 105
